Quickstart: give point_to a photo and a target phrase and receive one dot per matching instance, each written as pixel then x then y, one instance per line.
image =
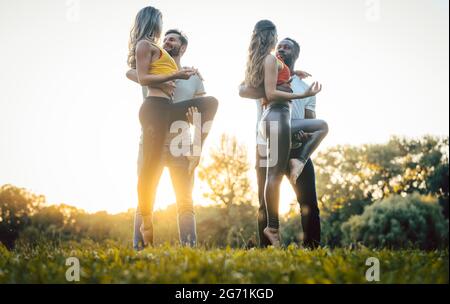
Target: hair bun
pixel 264 25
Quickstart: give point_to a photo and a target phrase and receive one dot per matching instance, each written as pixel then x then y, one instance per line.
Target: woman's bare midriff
pixel 155 92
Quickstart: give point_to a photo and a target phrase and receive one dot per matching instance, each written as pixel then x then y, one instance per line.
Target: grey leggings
pixel 277 129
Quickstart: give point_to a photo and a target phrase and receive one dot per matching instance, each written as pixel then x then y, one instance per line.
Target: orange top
pixel 164 64
pixel 284 73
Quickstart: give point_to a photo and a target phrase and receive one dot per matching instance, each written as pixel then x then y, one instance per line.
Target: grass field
pixel 110 263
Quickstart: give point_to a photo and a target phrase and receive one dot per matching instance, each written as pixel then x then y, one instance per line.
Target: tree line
pixel 392 195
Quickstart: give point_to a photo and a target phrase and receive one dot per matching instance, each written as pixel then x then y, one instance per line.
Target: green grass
pixel 110 263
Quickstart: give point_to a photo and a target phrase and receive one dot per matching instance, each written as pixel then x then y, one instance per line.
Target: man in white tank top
pixel 305 187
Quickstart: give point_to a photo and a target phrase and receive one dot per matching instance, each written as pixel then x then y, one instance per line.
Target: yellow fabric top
pixel 164 65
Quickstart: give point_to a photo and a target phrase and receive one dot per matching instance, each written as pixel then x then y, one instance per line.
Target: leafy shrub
pixel 397 222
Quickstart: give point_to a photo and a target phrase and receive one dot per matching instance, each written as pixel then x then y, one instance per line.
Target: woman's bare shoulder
pixel 145 45
pixel 270 59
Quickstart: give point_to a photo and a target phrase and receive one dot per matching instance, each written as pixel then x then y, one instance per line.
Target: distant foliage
pixel 227 176
pixel 350 178
pixel 217 226
pixel 399 222
pixel 17 206
pixel 57 223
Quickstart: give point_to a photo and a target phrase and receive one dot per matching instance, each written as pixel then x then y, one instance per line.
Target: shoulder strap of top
pixel 280 64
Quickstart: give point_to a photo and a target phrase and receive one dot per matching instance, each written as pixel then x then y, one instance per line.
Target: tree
pixel 229 185
pixel 17 205
pixel 226 173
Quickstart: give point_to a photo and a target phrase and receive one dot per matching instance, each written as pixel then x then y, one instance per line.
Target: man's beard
pixel 286 59
pixel 174 52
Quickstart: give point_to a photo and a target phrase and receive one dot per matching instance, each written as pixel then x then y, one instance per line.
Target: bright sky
pixel 69 124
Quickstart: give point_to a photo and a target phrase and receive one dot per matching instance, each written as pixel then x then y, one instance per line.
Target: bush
pixel 331 233
pixel 398 222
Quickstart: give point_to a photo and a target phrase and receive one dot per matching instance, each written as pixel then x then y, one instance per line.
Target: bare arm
pixel 270 84
pixel 302 74
pixel 252 93
pixel 257 93
pixel 132 75
pixel 144 54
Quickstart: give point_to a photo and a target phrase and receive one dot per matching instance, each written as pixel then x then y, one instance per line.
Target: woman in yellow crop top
pixel 154 66
pixel 157 70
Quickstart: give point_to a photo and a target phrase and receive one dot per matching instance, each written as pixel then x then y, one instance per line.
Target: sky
pixel 69 125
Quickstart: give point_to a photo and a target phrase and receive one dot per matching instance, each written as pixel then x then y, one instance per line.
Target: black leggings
pixel 277 129
pixel 156 115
